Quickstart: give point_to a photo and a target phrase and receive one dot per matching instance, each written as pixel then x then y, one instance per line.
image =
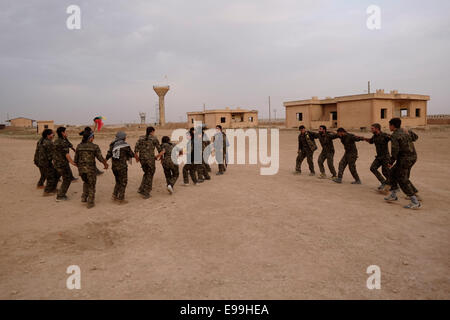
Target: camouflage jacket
pixel 166 160
pixel 125 155
pixel 402 145
pixel 44 156
pixel 61 149
pixel 145 147
pixel 381 142
pixel 326 140
pixel 306 142
pixel 36 152
pixel 85 156
pixel 348 140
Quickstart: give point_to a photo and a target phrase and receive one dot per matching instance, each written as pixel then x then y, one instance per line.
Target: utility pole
pixel 204 107
pixel 275 111
pixel 269 108
pixel 368 87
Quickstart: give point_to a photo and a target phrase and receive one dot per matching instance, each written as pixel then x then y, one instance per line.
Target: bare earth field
pixel 238 236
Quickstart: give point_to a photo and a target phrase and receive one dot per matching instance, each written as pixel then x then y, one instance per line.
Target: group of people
pixel 53 160
pixel 395 165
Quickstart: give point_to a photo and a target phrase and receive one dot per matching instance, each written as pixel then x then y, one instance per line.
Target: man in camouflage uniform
pixel 61 160
pixel 85 156
pixel 350 156
pixel 206 168
pixel 220 146
pixel 171 169
pixel 403 157
pixel 380 140
pixel 190 168
pixel 306 148
pixel 326 141
pixel 37 162
pixel 145 153
pixel 121 153
pixel 45 152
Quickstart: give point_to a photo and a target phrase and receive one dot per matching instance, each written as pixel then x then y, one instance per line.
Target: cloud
pixel 222 53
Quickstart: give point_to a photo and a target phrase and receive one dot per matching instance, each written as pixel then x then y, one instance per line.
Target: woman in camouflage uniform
pixel 121 153
pixel 85 156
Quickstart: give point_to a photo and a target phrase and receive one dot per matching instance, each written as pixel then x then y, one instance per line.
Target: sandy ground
pixel 238 236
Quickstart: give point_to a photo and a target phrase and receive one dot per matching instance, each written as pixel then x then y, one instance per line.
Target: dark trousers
pixel 189 169
pixel 383 163
pixel 66 174
pixel 329 156
pixel 147 180
pixel 349 160
pixel 89 182
pixel 52 178
pixel 171 173
pixel 121 176
pixel 301 156
pixel 43 177
pixel 400 174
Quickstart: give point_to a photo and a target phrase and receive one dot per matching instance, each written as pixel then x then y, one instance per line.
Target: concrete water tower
pixel 161 92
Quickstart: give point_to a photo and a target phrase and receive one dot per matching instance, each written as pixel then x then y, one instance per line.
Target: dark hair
pixel 219 126
pixel 323 127
pixel 86 136
pixel 46 133
pixel 87 129
pixel 396 122
pixel 165 139
pixel 301 127
pixel 377 126
pixel 149 130
pixel 60 131
pixel 341 130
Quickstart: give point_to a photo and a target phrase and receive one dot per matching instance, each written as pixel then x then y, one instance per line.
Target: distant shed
pixel 21 122
pixel 45 124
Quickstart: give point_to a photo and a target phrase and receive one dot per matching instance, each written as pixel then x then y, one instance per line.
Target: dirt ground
pixel 238 236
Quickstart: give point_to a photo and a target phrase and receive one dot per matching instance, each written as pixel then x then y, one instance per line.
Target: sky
pixel 218 53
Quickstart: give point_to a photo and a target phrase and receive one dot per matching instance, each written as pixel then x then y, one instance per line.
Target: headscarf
pixel 119 143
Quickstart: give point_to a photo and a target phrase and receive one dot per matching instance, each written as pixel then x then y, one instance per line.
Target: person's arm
pixel 98 155
pixel 70 160
pixel 394 150
pixel 369 140
pixel 299 144
pixel 333 135
pixel 136 151
pixel 77 155
pixel 109 153
pixel 413 135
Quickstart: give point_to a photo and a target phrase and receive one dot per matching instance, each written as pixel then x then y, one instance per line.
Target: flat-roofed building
pixel 358 111
pixel 21 122
pixel 45 124
pixel 227 118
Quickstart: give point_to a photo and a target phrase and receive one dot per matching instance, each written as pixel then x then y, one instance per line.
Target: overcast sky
pixel 223 53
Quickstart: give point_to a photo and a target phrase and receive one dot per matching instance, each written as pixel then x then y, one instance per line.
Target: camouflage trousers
pixel 52 177
pixel 202 172
pixel 89 181
pixel 329 156
pixel 43 177
pixel 171 173
pixel 189 169
pixel 67 176
pixel 221 159
pixel 147 180
pixel 121 176
pixel 301 156
pixel 350 161
pixel 383 163
pixel 400 174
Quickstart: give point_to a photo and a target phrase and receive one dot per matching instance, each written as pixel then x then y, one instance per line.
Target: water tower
pixel 142 115
pixel 161 92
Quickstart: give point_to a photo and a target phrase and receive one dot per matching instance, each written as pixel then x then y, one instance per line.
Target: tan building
pixel 45 124
pixel 227 118
pixel 358 111
pixel 21 122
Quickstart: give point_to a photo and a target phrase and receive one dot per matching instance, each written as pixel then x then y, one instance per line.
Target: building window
pixel 417 113
pixel 300 116
pixel 222 120
pixel 383 113
pixel 192 120
pixel 46 126
pixel 250 119
pixel 242 118
pixel 403 113
pixel 334 115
